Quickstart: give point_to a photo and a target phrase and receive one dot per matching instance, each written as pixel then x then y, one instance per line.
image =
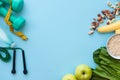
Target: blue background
pixel 58 38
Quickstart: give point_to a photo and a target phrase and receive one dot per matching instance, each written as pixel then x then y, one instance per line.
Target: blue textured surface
pixel 58 39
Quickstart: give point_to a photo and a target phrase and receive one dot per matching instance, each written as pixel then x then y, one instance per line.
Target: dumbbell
pixel 18 22
pixel 17 5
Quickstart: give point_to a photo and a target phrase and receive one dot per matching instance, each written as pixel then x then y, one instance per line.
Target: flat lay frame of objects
pixel 7 10
pixel 106 57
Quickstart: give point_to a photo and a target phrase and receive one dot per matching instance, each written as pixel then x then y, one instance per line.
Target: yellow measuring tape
pixel 9 23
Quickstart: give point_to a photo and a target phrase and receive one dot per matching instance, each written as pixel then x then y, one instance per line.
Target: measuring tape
pixel 8 22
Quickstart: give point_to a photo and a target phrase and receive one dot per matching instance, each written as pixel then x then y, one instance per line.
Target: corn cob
pixel 109 28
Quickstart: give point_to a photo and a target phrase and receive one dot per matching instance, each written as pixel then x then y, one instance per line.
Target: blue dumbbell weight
pixel 18 22
pixel 17 5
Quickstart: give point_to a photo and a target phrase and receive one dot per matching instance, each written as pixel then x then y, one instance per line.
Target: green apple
pixel 69 77
pixel 83 72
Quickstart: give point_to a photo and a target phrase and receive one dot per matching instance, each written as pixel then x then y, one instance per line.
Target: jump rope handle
pixel 13 71
pixel 24 63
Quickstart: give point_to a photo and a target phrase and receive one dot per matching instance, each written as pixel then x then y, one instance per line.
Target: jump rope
pixel 4 51
pixel 7 58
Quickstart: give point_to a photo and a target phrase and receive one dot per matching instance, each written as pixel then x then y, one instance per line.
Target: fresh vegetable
pixel 83 72
pixel 109 28
pixel 117 31
pixel 69 77
pixel 97 77
pixel 108 67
